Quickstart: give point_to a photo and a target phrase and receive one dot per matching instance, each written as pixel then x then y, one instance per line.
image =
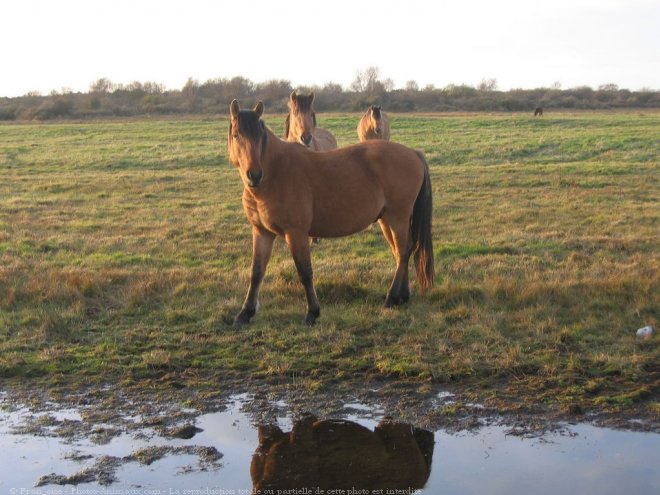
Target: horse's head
pixel 301 120
pixel 246 142
pixel 375 119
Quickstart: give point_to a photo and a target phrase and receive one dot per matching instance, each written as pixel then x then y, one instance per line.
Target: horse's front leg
pixel 262 247
pixel 299 245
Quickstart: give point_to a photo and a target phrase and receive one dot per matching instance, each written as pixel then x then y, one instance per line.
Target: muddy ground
pixel 167 404
pixel 167 408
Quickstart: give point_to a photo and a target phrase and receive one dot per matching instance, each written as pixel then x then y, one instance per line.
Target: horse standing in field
pixel 300 125
pixel 293 192
pixel 538 111
pixel 374 124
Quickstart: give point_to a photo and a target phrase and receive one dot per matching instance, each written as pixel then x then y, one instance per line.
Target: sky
pixel 51 45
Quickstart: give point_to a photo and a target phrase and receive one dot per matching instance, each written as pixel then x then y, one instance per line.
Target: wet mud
pixel 378 437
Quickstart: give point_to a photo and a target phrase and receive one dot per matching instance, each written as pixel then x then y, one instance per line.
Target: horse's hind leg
pixel 262 247
pixel 299 245
pixel 396 231
pixel 387 233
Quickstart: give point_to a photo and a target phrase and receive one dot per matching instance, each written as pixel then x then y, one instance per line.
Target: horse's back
pixel 324 140
pixel 396 166
pixel 377 159
pixel 386 126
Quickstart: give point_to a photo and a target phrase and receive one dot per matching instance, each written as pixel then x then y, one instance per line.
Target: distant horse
pixel 342 456
pixel 300 125
pixel 293 192
pixel 374 124
pixel 538 111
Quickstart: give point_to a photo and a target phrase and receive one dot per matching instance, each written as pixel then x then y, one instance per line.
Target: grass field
pixel 124 255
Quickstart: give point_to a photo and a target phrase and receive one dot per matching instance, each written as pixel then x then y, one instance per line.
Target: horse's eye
pixel 235 136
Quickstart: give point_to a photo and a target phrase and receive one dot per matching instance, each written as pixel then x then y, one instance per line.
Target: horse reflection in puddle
pixel 339 454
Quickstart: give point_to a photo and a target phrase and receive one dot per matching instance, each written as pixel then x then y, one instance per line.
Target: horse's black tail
pixel 420 230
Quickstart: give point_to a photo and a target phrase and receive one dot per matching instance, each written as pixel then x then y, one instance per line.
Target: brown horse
pixel 341 455
pixel 300 125
pixel 374 124
pixel 538 111
pixel 293 192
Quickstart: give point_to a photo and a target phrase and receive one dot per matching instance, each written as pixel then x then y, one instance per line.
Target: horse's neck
pixel 273 144
pixel 279 155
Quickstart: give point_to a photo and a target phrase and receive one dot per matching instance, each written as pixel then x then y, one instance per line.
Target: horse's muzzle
pixel 255 178
pixel 306 139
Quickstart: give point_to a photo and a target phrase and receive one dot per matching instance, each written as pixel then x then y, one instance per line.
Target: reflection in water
pixel 339 454
pixel 359 454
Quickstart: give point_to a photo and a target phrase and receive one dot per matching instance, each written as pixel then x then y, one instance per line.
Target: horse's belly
pixel 340 231
pixel 342 222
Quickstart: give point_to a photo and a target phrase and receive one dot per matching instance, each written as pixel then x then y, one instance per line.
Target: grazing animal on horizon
pixel 374 124
pixel 538 111
pixel 300 125
pixel 296 193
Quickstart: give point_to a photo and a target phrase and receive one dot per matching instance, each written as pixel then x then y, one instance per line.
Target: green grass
pixel 124 255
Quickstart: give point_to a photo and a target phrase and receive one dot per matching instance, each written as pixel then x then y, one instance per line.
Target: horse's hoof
pixel 243 318
pixel 311 317
pixel 392 302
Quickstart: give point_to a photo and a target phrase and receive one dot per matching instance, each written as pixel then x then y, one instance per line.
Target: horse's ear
pixel 293 96
pixel 269 434
pixel 380 107
pixel 311 97
pixel 234 108
pixel 259 109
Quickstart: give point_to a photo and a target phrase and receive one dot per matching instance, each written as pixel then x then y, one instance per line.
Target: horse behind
pixel 300 125
pixel 538 111
pixel 374 124
pixel 296 193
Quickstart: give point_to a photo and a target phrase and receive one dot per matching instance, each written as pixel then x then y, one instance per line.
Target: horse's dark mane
pixel 304 104
pixel 249 124
pixel 251 127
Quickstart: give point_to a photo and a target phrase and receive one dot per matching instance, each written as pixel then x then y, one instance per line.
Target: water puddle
pixel 233 452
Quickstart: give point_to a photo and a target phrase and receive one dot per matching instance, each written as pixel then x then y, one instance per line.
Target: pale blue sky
pixel 51 44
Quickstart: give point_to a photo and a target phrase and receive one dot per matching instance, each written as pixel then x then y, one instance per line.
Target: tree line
pixel 105 98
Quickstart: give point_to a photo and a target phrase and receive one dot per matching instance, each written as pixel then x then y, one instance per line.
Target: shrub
pixel 52 109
